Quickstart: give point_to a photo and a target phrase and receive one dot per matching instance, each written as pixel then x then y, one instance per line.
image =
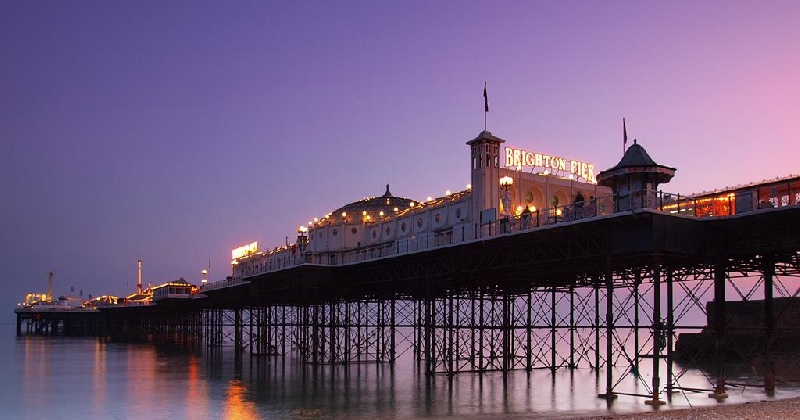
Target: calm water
pixel 88 378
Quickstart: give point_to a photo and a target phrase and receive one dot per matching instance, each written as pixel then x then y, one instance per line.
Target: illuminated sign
pixel 548 163
pixel 244 251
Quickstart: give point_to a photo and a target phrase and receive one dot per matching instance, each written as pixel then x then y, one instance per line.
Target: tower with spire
pixel 635 179
pixel 485 170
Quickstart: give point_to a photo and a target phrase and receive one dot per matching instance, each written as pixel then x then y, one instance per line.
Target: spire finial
pixel 387 193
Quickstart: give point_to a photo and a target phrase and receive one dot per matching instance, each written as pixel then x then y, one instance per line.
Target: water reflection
pixel 237 405
pixel 97 379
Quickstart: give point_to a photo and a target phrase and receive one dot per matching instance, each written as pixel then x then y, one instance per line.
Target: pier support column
pixel 657 337
pixel 238 330
pixel 769 324
pixel 596 288
pixel 572 364
pixel 553 331
pixel 609 395
pixel 670 331
pixel 719 329
pixel 529 334
pixel 481 330
pixel 428 333
pixel 508 344
pixel 637 281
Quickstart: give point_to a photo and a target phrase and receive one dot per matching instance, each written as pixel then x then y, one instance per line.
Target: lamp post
pixel 505 182
pixel 301 240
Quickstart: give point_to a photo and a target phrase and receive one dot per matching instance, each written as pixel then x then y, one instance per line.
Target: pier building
pixel 510 189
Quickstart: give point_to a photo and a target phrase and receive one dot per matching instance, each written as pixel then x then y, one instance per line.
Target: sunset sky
pixel 175 131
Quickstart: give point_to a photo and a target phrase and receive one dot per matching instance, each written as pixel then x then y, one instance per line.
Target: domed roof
pixel 635 160
pixel 636 156
pixel 373 206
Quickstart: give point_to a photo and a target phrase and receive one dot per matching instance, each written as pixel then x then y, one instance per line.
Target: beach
pixel 766 409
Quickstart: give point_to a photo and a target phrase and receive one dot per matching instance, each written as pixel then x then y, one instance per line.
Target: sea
pixel 91 378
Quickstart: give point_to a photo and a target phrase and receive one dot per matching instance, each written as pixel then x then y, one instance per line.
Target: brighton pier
pixel 531 267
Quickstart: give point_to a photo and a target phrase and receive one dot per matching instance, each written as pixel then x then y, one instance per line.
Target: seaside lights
pixel 505 182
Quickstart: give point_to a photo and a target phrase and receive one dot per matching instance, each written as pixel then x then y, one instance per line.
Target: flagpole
pixel 485 105
pixel 624 136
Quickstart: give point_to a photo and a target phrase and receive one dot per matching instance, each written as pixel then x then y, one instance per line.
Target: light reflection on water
pixel 90 378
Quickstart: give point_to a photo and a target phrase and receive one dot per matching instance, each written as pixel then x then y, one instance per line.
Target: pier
pixel 611 280
pixel 588 294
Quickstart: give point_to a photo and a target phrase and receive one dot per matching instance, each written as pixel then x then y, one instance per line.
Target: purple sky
pixel 176 131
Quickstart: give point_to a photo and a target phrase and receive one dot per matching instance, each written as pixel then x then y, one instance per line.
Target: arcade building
pixel 510 190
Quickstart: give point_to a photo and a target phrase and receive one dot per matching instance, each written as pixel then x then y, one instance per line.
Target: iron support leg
pixel 719 329
pixel 657 327
pixel 670 332
pixel 769 325
pixel 529 335
pixel 597 330
pixel 571 327
pixel 553 330
pixel 609 395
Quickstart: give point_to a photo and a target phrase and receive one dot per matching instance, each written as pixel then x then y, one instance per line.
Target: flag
pixel 485 99
pixel 624 136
